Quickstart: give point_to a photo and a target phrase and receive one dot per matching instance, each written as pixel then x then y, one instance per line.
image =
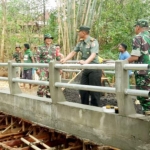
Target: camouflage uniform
pixel 141 48
pixel 17 58
pixel 44 55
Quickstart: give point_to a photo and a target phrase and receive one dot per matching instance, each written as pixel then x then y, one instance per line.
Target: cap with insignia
pixel 48 36
pixel 83 28
pixel 141 23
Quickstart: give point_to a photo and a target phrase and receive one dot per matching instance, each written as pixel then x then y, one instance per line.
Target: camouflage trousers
pixel 143 83
pixel 42 89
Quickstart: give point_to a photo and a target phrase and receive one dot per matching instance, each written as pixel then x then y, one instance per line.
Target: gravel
pixel 72 95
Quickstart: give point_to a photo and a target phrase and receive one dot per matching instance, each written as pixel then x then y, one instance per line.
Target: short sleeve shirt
pixel 28 58
pixel 141 47
pixel 17 57
pixel 123 56
pixel 87 47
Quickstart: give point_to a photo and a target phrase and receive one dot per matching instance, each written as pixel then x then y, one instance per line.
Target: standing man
pixel 17 56
pixel 140 55
pixel 28 58
pixel 124 53
pixel 89 48
pixel 45 54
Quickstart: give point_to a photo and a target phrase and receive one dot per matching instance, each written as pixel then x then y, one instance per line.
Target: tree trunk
pixel 3 29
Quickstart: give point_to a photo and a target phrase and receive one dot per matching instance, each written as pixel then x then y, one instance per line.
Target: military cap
pixel 83 28
pixel 141 23
pixel 48 36
pixel 17 45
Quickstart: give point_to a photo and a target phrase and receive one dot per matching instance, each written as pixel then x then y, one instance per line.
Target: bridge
pixel 126 130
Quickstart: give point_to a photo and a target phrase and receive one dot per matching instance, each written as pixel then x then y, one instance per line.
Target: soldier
pixel 140 55
pixel 17 56
pixel 89 48
pixel 45 54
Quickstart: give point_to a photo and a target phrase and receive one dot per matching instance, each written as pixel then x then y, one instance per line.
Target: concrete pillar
pixel 125 102
pixel 13 86
pixel 54 76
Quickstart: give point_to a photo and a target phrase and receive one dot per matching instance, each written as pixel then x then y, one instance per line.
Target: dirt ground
pixel 5 86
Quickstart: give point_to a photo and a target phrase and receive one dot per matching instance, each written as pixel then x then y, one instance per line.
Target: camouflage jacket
pixel 141 47
pixel 17 57
pixel 45 54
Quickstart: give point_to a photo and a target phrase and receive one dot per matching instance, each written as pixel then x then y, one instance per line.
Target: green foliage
pixel 52 26
pixel 116 24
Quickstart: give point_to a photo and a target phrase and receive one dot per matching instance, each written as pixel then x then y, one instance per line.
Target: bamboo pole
pixel 3 29
pixel 38 141
pixel 74 23
pixel 78 13
pixel 30 144
pixel 92 14
pixel 84 12
pixel 99 14
pixel 8 127
pixel 58 2
pixel 87 12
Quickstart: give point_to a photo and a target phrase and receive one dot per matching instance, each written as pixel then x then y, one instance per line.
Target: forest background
pixel 111 22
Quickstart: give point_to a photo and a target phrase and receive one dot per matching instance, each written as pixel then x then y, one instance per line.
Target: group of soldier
pixel 89 48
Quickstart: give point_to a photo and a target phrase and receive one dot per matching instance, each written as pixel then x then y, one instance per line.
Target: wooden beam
pixel 8 127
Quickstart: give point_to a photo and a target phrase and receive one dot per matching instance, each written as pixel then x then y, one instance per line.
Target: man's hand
pixel 38 72
pixel 63 60
pixel 82 62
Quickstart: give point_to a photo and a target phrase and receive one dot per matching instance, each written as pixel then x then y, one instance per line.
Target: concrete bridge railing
pixel 126 130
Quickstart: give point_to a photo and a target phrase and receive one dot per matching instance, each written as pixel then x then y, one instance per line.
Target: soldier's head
pixel 26 46
pixel 18 48
pixel 83 31
pixel 122 47
pixel 140 25
pixel 48 39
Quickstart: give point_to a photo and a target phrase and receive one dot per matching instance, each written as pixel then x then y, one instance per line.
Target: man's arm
pixel 87 61
pixel 69 56
pixel 133 58
pixel 32 58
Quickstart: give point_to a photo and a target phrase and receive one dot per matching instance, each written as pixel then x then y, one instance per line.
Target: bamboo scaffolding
pixel 10 126
pixel 30 144
pixel 38 141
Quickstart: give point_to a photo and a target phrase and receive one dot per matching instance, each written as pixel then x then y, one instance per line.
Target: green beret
pixel 83 28
pixel 141 23
pixel 48 36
